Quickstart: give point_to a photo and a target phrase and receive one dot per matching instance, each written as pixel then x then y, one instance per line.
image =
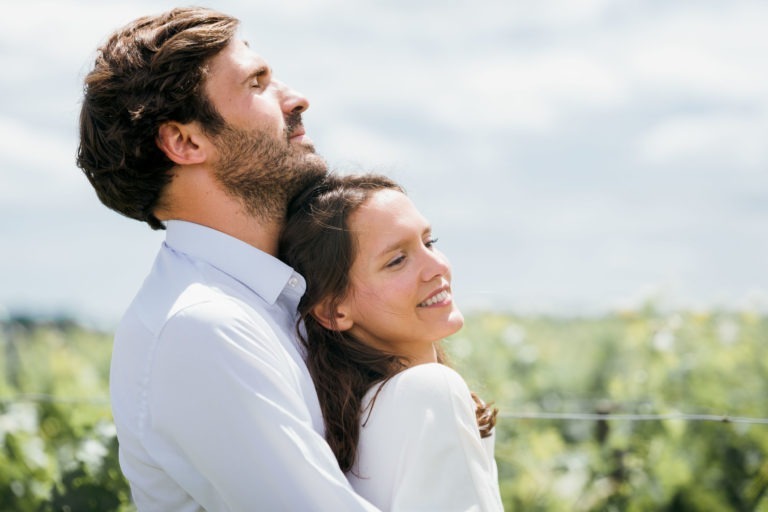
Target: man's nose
pixel 292 101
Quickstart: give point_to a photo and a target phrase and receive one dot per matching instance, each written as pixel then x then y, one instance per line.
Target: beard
pixel 264 172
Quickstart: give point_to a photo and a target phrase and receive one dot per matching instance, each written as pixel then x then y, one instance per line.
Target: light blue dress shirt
pixel 214 406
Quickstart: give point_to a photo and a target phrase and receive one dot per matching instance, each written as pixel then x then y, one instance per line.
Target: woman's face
pixel 400 296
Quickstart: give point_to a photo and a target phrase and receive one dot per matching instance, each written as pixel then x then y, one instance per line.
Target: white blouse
pixel 420 447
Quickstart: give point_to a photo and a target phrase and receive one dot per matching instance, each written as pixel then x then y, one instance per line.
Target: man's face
pixel 241 87
pixel 264 156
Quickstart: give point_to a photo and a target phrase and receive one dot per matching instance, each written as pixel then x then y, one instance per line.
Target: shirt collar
pixel 266 275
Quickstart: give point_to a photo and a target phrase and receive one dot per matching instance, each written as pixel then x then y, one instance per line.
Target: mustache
pixel 292 121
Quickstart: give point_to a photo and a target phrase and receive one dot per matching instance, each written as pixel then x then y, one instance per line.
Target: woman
pixel 404 427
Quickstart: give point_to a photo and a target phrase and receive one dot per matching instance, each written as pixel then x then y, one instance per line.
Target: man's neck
pixel 261 234
pixel 196 197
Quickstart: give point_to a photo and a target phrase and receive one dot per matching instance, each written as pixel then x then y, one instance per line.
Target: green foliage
pixel 625 364
pixel 58 449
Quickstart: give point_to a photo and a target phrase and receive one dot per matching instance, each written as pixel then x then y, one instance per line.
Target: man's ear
pixel 181 142
pixel 332 318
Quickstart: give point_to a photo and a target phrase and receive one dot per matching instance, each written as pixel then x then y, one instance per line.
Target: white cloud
pixel 495 114
pixel 359 148
pixel 559 14
pixel 62 31
pixel 39 166
pixel 534 90
pixel 729 140
pixel 704 51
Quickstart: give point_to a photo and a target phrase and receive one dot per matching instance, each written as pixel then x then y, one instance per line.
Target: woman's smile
pixel 441 298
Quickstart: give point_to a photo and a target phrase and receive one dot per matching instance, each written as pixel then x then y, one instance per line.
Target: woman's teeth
pixel 435 299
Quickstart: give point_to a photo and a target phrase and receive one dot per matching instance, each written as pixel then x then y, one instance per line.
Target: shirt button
pixel 293 282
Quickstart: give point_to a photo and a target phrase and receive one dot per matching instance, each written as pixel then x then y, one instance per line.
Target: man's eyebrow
pixel 257 73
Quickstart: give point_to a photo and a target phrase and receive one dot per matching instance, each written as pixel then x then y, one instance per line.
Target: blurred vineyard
pixel 634 395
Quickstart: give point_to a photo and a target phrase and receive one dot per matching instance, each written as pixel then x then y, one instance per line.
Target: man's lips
pixel 299 135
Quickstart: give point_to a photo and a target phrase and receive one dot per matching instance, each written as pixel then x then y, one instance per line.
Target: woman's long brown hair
pixel 317 243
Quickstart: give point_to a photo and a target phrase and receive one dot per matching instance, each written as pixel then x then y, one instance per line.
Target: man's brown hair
pixel 151 71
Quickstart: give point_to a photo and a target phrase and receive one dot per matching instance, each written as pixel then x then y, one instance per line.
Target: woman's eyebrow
pixel 402 241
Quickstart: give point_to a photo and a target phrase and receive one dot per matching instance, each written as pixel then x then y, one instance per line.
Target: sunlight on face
pixel 400 297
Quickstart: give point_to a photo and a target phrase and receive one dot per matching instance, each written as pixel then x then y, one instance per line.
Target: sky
pixel 573 156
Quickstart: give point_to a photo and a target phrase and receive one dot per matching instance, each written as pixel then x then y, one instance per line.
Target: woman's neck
pixel 422 356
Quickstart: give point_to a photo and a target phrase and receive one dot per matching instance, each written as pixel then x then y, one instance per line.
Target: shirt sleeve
pixel 443 464
pixel 225 400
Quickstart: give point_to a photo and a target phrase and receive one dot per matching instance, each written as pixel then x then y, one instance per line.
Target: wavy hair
pixel 146 73
pixel 317 243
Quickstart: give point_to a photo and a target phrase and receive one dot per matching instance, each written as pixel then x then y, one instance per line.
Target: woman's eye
pixel 430 242
pixel 396 261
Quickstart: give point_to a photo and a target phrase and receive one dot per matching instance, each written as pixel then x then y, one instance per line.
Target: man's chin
pixel 320 168
pixel 312 158
pixel 305 146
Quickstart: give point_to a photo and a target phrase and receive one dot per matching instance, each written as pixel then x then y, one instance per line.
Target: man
pixel 185 128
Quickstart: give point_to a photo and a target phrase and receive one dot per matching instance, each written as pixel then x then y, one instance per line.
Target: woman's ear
pixel 333 318
pixel 181 142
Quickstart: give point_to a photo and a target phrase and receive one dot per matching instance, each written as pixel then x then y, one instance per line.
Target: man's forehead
pixel 237 59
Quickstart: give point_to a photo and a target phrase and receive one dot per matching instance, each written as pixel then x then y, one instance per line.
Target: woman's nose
pixel 437 265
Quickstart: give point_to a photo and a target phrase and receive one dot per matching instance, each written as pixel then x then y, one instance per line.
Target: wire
pixel 44 398
pixel 633 417
pixel 565 416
